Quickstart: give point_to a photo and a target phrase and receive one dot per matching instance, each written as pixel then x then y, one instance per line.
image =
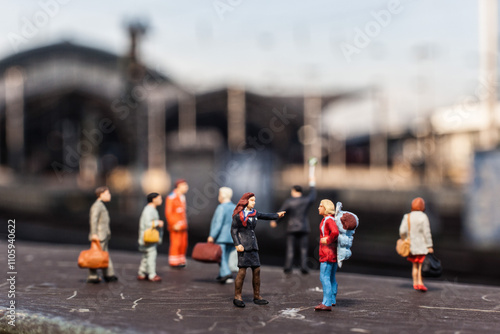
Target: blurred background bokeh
pixel 397 99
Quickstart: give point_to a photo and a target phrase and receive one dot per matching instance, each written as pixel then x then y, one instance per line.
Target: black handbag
pixel 431 267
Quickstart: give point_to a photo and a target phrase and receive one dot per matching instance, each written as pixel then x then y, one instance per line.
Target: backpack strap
pixel 408 234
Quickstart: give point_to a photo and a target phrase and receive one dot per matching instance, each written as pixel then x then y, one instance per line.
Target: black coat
pixel 245 235
pixel 296 212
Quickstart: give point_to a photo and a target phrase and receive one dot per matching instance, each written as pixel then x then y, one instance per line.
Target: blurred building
pixel 74 117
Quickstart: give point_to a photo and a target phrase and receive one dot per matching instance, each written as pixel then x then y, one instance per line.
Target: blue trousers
pixel 327 272
pixel 224 262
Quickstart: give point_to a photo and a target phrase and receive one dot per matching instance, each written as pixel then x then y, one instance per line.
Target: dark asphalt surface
pixel 52 297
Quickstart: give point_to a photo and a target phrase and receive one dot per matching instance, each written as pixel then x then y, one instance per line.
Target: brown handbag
pixel 94 258
pixel 207 252
pixel 403 245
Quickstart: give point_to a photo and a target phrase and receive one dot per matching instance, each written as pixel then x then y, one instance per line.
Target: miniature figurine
pixel 328 255
pixel 150 219
pixel 99 230
pixel 420 237
pixel 298 228
pixel 220 232
pixel 243 233
pixel 347 222
pixel 175 212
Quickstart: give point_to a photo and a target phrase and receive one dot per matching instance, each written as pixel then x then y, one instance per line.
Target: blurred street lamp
pixel 14 117
pixel 488 51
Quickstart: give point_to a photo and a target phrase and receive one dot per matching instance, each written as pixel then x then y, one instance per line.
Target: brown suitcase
pixel 93 258
pixel 207 252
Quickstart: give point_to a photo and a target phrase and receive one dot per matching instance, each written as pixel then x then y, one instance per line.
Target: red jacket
pixel 328 228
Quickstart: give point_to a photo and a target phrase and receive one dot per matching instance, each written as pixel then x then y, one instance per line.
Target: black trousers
pixel 292 239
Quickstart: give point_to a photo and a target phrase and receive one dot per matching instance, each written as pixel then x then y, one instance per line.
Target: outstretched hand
pixel 281 214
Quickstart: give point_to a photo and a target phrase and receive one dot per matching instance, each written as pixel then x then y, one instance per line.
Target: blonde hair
pixel 226 192
pixel 329 206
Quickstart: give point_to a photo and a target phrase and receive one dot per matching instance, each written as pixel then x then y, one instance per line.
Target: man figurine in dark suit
pixel 298 229
pixel 99 230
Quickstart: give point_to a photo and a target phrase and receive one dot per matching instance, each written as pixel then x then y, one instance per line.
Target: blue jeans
pixel 327 272
pixel 224 262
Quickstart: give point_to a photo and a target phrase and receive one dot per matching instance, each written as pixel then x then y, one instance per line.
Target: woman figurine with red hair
pixel 415 225
pixel 243 232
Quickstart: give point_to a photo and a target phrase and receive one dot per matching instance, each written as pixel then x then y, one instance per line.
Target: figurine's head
pixel 418 204
pixel 155 198
pixel 251 203
pixel 181 186
pixel 103 194
pixel 225 194
pixel 326 208
pixel 296 191
pixel 244 203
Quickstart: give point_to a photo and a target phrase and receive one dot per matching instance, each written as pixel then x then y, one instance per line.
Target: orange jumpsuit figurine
pixel 175 212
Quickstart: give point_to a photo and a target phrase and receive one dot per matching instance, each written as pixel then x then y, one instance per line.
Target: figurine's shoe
pixel 416 287
pixel 142 277
pixel 260 301
pixel 94 280
pixel 422 288
pixel 322 307
pixel 155 279
pixel 287 271
pixel 110 279
pixel 224 279
pixel 304 271
pixel 179 266
pixel 238 303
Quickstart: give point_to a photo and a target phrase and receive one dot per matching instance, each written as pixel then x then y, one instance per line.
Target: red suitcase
pixel 207 252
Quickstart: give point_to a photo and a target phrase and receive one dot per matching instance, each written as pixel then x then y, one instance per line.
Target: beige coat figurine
pixel 420 239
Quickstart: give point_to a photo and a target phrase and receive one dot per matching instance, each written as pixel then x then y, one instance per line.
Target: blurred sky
pixel 423 55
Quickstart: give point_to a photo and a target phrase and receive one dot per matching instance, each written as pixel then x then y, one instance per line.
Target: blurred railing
pixel 375 188
pixel 354 177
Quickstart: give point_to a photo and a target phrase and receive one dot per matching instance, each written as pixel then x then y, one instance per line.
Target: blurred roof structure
pixel 66 65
